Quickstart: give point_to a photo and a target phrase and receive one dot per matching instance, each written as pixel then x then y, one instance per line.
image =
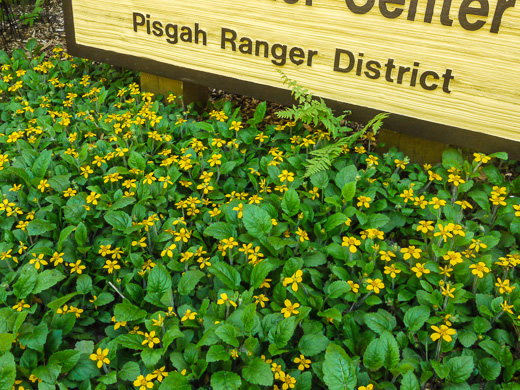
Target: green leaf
pixel 320 180
pixel 489 368
pixel 47 279
pixel 159 280
pixel 376 221
pixel 335 220
pixel 259 114
pixel 174 381
pixel 128 312
pixel 452 158
pixel 227 274
pixel 84 284
pixel 380 321
pixel 54 305
pixel 122 203
pixel 258 372
pixel 39 226
pixel 63 236
pixel 248 317
pixel 66 358
pixel 227 333
pixel 348 191
pixel 391 349
pixel 150 357
pixel 136 161
pixel 259 273
pixel 227 167
pixel 225 380
pixel 60 182
pixel 467 338
pixel 26 282
pixel 104 299
pixel 313 344
pixel 337 289
pixel 7 371
pixel 257 221
pixel 6 341
pixel 283 332
pixel 415 318
pixel 189 281
pixel 41 164
pixel 220 230
pixel 85 347
pixel 48 374
pixel 118 219
pixel 290 203
pixel 34 337
pixel 217 353
pixel 171 334
pixel 130 371
pixel 481 325
pixel 132 341
pixel 339 372
pixel 374 356
pixel 410 382
pixel 81 234
pixel 481 198
pixel 346 175
pixel 460 368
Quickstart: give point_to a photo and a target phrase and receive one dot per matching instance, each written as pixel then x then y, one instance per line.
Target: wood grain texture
pixel 485 93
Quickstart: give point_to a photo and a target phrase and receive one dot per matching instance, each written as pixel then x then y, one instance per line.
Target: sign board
pixel 446 68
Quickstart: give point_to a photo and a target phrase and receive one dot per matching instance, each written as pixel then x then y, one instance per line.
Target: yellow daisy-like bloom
pixel 302 362
pixel 507 308
pixel 386 255
pixel 453 257
pixel 504 287
pixel 189 315
pixel 411 251
pixel 419 270
pixel 38 260
pixel 455 179
pixel 364 201
pixel 444 331
pixel 352 243
pixel 425 227
pixel 481 157
pixel 353 286
pixel 286 176
pixel 302 234
pixel 160 373
pixel 448 291
pixel 479 269
pixel 224 298
pixel 229 243
pixel 437 203
pixel 369 387
pixel 294 280
pixel 101 357
pixel 375 285
pixel 392 271
pixel 477 244
pixel 261 299
pixel 144 382
pixel 77 267
pixel 407 195
pixel 93 197
pixel 290 308
pixel 150 339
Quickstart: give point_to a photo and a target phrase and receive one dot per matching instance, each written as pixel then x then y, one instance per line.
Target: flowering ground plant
pixel 154 246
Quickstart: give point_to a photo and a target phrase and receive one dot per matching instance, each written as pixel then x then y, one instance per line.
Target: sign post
pixel 448 70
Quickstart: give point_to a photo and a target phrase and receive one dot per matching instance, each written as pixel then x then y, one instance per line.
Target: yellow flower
pixel 111 266
pixel 364 201
pixel 407 195
pixel 503 287
pixel 352 243
pixel 411 251
pixel 85 171
pixel 437 203
pixel 43 185
pixel 144 383
pixel 375 285
pixel 386 255
pixel 290 308
pixel 150 339
pixel 294 280
pixel 93 197
pixel 101 357
pixel 302 362
pixel 400 163
pixel 215 159
pixel 140 243
pixel 160 373
pixel 448 291
pixel 479 269
pixel 481 157
pixel 392 271
pixel 477 244
pixel 229 243
pixel 286 176
pixel 224 298
pixel 369 387
pixel 261 299
pixel 236 126
pixel 77 267
pixel 21 305
pixel 38 260
pixel 506 307
pixel 371 160
pixel 239 209
pixel 302 234
pixel 454 257
pixel 419 270
pixel 455 179
pixel 445 232
pixel 444 332
pixel 353 286
pixel 189 315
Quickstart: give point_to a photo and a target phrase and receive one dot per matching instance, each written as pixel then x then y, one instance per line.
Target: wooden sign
pixel 448 69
